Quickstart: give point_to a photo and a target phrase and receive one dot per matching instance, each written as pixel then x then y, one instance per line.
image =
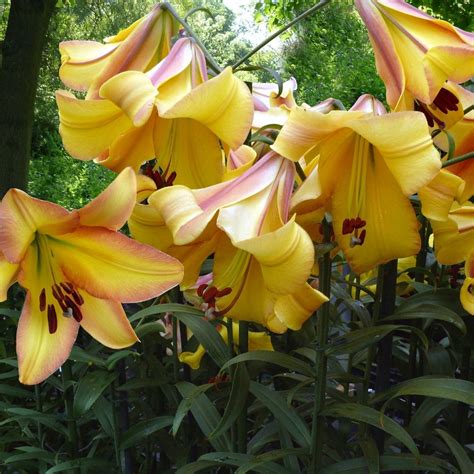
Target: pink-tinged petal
pixel 21 216
pixel 113 206
pixel 39 352
pixel 369 104
pixel 132 148
pixel 89 127
pixel 112 266
pixel 240 157
pixel 188 212
pixel 133 92
pixel 305 128
pixel 438 196
pixel 106 322
pixel 144 44
pixel 294 309
pixel 8 274
pixel 223 104
pixel 81 61
pixel 389 65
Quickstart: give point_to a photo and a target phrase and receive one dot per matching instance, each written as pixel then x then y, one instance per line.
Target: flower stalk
pixel 317 433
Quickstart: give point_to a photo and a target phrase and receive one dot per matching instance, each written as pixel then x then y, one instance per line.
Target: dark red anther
pixel 201 288
pixel 63 305
pixel 78 299
pixel 446 100
pixel 224 292
pixel 171 178
pixel 76 313
pixel 347 227
pixel 52 319
pixel 359 223
pixel 209 294
pixel 42 300
pixel 362 236
pixel 57 292
pixel 67 287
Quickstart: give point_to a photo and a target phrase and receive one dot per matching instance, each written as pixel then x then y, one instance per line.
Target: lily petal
pixel 39 352
pixel 223 104
pixel 8 273
pixel 109 265
pixel 467 290
pixel 88 127
pixel 294 309
pixel 21 216
pixel 113 206
pixel 438 196
pixel 105 321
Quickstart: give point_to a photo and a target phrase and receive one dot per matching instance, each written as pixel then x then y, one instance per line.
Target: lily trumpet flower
pixel 172 113
pixel 467 290
pixel 369 164
pixel 250 259
pixel 86 65
pixel 76 269
pixel 415 54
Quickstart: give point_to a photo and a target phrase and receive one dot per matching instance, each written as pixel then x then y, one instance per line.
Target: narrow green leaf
pixel 197 466
pixel 239 459
pixel 186 404
pixel 83 462
pixel 143 429
pixel 164 308
pixel 207 335
pixel 273 357
pixel 119 355
pixel 467 467
pixel 103 411
pixel 285 414
pixel 264 461
pixel 89 389
pixel 80 355
pixel 149 328
pixel 12 391
pixel 206 416
pixel 236 402
pixel 429 311
pixel 35 455
pixel 372 417
pixel 371 455
pixel 394 463
pixel 430 386
pixel 426 412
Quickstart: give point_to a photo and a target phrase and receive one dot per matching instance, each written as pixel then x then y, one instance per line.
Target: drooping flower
pixel 258 341
pixel 86 65
pixel 172 113
pixel 260 268
pixel 368 166
pixel 76 269
pixel 415 54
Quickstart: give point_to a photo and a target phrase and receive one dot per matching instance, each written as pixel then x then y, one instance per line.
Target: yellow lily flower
pixel 258 341
pixel 250 259
pixel 467 290
pixel 454 238
pixel 86 65
pixel 171 113
pixel 76 268
pixel 415 54
pixel 368 166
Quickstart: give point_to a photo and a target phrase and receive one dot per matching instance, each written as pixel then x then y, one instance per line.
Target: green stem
pixel 317 433
pixel 230 345
pixel 175 349
pixel 458 159
pixel 210 60
pixel 113 394
pixel 242 420
pixel 68 404
pixel 279 32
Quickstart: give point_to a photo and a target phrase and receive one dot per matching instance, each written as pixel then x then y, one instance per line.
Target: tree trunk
pixel 21 57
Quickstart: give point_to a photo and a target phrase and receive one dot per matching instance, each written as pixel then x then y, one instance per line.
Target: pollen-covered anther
pixel 160 178
pixel 446 100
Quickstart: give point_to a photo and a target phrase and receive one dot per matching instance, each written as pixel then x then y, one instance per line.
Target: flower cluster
pixel 195 183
